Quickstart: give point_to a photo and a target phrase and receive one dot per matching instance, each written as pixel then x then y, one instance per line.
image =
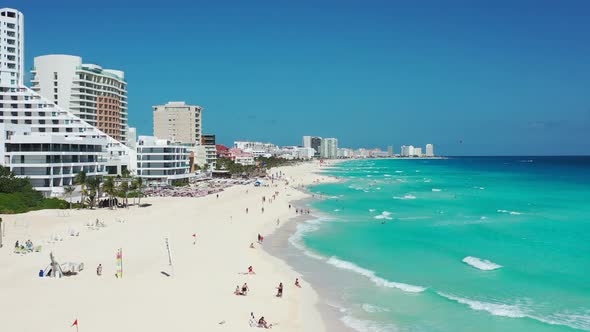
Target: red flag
pixel 75 322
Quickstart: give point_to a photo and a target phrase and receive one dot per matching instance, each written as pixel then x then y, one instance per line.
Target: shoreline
pixel 297 258
pixel 198 293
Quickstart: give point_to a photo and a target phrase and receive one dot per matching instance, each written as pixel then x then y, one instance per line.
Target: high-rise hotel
pixel 95 95
pixel 12 41
pixel 38 138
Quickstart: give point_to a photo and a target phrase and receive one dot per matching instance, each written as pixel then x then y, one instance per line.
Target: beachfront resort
pixel 120 230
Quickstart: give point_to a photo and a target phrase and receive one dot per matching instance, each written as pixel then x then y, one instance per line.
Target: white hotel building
pixel 160 162
pixel 40 140
pixel 95 95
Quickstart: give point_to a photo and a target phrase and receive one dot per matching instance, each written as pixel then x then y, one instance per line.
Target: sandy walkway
pixel 197 298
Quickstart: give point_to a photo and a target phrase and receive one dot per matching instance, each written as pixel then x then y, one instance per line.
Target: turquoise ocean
pixel 458 244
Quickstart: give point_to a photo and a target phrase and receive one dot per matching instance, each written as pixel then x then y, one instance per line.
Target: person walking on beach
pixel 297 282
pixel 263 209
pixel 99 270
pixel 245 289
pixel 246 210
pixel 280 290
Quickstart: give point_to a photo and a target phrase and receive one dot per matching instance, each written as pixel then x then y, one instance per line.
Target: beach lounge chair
pixel 38 248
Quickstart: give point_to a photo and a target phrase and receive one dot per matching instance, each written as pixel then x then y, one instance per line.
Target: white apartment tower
pixel 41 141
pixel 12 42
pixel 329 148
pixel 407 150
pixel 178 122
pixel 429 150
pixel 160 161
pixel 95 95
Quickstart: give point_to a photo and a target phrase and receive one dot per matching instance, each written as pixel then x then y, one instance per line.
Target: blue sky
pixel 503 77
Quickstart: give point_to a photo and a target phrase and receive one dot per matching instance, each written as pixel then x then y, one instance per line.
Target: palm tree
pixel 69 190
pixel 93 190
pixel 138 186
pixel 125 174
pixel 108 187
pixel 123 190
pixel 80 180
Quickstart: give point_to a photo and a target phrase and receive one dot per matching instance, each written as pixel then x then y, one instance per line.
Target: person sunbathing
pixel 252 245
pixel 251 270
pixel 262 323
pixel 237 291
pixel 297 282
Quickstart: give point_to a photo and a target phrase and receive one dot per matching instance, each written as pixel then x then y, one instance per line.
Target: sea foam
pixel 367 325
pixel 296 239
pixel 482 264
pixel 496 309
pixel 384 215
pixel 579 321
pixel 408 196
pixel 514 213
pixel 344 265
pixel 373 308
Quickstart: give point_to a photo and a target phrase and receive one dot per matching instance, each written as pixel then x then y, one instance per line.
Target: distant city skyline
pixel 474 79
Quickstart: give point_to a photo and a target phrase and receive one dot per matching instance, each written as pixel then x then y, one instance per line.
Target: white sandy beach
pixel 198 297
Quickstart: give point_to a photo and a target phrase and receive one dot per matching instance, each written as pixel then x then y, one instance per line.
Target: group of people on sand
pixel 27 245
pixel 301 211
pixel 242 291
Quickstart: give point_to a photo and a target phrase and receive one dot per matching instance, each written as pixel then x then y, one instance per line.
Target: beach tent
pixel 258 183
pixel 54 269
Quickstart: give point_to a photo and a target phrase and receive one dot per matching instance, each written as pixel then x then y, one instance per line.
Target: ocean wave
pixel 344 265
pixel 496 309
pixel 371 210
pixel 407 196
pixel 367 325
pixel 336 210
pixel 399 171
pixel 373 308
pixel 514 213
pixel 480 188
pixel 482 264
pixel 387 175
pixel 384 215
pixel 296 240
pixel 579 321
pixel 427 180
pixel 436 189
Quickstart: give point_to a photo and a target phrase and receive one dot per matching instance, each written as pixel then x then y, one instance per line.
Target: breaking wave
pixel 514 213
pixel 496 309
pixel 408 196
pixel 482 264
pixel 344 265
pixel 367 325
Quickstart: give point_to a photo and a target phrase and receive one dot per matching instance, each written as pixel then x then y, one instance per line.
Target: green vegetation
pixel 18 196
pixel 262 164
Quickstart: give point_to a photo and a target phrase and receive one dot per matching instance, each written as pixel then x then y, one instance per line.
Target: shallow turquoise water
pixel 522 225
